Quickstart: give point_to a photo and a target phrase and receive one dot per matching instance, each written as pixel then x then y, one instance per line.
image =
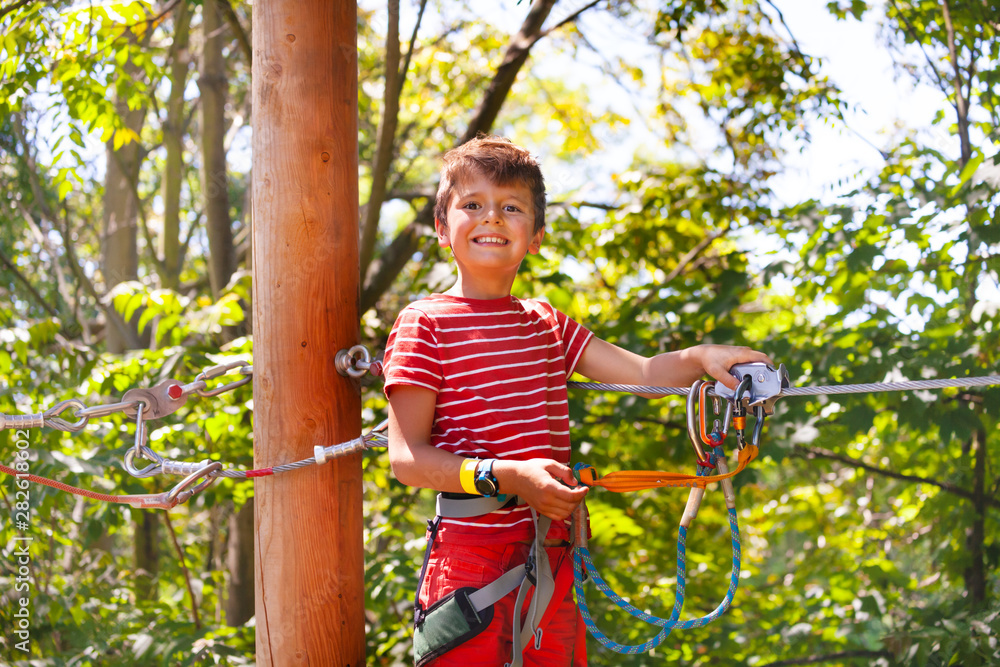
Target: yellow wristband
pixel 467 476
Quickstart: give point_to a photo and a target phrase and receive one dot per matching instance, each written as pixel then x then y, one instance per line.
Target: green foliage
pixel 83 586
pixel 869 522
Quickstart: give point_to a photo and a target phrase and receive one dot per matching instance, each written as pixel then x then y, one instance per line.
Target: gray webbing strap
pixel 489 595
pixel 545 585
pixel 463 508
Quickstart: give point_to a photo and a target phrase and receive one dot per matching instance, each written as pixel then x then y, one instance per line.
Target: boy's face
pixel 490 228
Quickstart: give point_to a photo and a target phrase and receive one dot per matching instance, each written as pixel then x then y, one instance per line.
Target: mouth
pixel 490 240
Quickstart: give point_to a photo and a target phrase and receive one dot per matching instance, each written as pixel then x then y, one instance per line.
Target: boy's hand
pixel 718 359
pixel 546 485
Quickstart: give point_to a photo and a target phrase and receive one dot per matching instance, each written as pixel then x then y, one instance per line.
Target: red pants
pixel 453 566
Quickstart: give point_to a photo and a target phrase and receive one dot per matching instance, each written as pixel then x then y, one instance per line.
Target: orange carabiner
pixel 713 439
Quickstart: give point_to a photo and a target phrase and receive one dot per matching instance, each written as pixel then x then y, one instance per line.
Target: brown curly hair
pixel 500 161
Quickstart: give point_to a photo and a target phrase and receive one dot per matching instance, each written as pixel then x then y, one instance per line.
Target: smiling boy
pixel 476 382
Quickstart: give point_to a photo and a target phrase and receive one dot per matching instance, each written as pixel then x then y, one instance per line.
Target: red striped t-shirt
pixel 499 369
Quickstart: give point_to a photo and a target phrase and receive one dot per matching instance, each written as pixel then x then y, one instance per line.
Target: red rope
pixel 152 501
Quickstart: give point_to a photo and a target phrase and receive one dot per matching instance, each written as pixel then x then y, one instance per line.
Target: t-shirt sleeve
pixel 411 356
pixel 575 337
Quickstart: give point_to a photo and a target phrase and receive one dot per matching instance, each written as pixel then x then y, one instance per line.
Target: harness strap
pixel 492 593
pixel 545 585
pixel 636 480
pixel 537 571
pixel 450 507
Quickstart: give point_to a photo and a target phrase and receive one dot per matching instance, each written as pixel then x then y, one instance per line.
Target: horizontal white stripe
pixel 506 353
pixel 561 377
pixel 483 429
pixel 494 399
pixel 494 369
pixel 475 524
pixel 410 382
pixel 491 341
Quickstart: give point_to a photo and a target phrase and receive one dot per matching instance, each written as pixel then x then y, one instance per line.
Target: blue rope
pixel 583 566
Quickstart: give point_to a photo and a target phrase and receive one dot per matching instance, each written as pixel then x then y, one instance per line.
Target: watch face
pixel 486 486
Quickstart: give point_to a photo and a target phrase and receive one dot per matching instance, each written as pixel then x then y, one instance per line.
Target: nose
pixel 493 213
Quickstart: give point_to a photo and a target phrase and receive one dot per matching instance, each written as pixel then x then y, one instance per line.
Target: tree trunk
pixel 213 83
pixel 386 142
pixel 975 573
pixel 239 562
pixel 382 272
pixel 173 142
pixel 119 253
pixel 146 553
pixel 309 560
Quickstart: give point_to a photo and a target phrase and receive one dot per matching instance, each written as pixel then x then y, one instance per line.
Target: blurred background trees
pixel 665 131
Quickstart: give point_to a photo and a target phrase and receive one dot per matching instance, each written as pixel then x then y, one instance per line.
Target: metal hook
pixel 150 470
pixel 354 362
pixel 181 493
pixel 51 416
pixel 219 370
pixel 759 412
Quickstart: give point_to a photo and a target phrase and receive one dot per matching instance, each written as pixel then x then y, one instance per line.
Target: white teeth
pixel 491 239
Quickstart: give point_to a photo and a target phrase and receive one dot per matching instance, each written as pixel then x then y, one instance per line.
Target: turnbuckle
pixel 200 386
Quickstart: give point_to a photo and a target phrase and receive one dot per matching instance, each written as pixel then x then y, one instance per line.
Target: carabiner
pixel 759 411
pixel 181 493
pixel 692 426
pixel 740 411
pixel 715 438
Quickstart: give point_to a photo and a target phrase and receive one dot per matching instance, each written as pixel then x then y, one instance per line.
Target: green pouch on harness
pixel 449 622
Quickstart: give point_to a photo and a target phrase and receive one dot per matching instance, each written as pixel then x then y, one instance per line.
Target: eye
pixel 472 206
pixel 512 208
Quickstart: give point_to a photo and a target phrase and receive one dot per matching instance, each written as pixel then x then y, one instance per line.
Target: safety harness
pixel 468 611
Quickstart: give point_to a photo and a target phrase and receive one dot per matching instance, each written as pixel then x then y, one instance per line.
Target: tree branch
pixel 961 104
pixel 184 568
pixel 412 46
pixel 13 7
pixel 570 18
pixel 31 288
pixel 40 201
pixel 818 452
pixel 385 143
pixel 241 35
pixel 915 36
pixel 383 272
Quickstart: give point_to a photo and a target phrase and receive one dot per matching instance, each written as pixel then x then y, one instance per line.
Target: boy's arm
pixel 416 462
pixel 604 362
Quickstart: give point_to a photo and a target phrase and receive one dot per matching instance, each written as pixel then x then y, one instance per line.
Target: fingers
pixel 560 506
pixel 728 356
pixel 557 492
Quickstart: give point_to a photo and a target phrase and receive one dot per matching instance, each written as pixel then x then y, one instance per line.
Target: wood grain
pixel 309 556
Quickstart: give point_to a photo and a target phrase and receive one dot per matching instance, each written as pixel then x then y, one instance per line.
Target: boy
pixel 476 382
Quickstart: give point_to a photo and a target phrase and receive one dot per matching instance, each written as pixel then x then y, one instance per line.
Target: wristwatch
pixel 486 483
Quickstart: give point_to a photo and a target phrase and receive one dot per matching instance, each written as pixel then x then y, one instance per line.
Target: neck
pixel 480 290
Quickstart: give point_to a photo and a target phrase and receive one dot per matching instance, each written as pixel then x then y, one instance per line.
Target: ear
pixel 441 228
pixel 536 242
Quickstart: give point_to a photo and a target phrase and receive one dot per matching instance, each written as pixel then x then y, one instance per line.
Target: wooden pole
pixel 309 556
